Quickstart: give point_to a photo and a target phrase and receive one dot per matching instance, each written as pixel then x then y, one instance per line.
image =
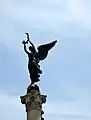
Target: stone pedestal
pixel 33 102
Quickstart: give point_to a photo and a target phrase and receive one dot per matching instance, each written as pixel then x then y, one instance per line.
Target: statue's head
pixel 31 49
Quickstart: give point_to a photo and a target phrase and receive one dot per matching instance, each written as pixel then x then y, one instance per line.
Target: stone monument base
pixel 33 101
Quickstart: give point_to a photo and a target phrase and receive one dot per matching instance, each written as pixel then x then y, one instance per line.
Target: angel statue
pixel 35 56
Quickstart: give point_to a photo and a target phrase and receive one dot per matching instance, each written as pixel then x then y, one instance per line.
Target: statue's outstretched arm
pixel 24 43
pixel 28 40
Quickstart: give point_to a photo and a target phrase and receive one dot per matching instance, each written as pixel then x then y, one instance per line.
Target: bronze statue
pixel 35 57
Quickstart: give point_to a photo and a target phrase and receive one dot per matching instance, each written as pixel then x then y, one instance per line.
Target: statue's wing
pixel 43 50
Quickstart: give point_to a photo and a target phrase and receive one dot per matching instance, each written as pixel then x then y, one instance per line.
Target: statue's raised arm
pixel 25 49
pixel 28 40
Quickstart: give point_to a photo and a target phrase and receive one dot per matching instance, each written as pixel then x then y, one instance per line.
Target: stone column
pixel 33 102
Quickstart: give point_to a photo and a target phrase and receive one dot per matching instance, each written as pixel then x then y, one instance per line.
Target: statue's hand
pixel 27 37
pixel 27 34
pixel 23 42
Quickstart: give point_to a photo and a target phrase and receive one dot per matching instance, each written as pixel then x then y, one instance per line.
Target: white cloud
pixel 10 108
pixel 76 108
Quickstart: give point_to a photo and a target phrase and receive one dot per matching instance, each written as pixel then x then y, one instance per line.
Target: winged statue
pixel 35 56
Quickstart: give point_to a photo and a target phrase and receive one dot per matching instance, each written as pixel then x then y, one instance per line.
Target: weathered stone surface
pixel 33 102
pixel 34 115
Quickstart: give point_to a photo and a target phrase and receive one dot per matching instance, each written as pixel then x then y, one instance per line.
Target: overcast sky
pixel 66 77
